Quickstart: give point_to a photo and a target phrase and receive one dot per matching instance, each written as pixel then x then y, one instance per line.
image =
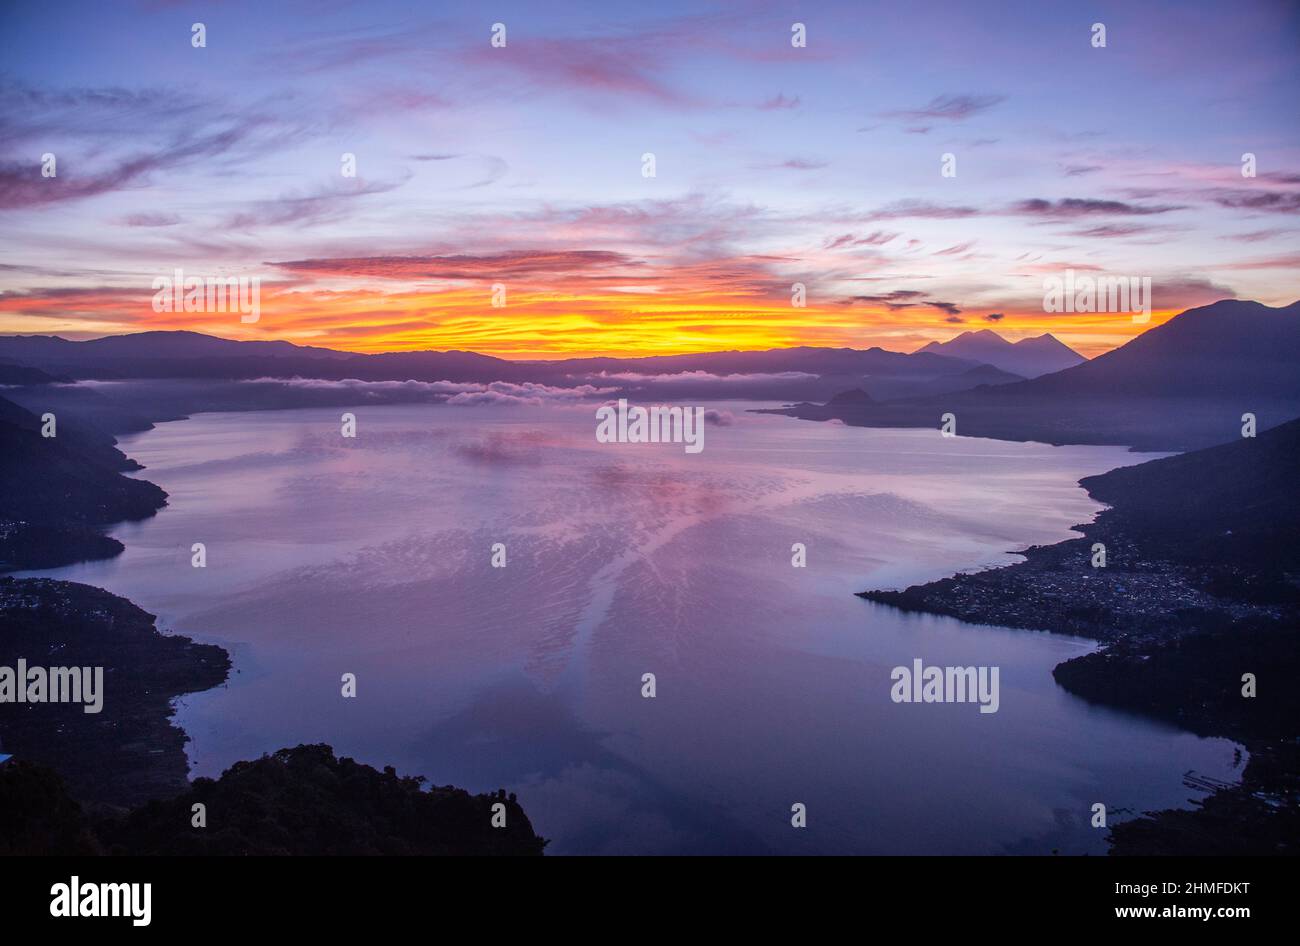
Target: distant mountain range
pixel 1217 362
pixel 145 346
pixel 1029 357
pixel 778 374
pixel 1228 349
pixel 1182 385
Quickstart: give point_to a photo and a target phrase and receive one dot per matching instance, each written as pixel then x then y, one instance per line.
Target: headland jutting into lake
pixel 1189 580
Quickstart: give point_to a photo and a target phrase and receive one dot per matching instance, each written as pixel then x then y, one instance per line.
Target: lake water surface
pixel 372 556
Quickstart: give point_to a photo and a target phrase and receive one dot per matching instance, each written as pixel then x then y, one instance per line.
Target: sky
pixel 522 165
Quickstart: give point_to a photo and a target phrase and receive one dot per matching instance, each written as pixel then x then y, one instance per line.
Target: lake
pixel 373 556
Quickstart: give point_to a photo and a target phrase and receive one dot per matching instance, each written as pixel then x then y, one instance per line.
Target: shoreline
pixel 117 781
pixel 132 752
pixel 1176 634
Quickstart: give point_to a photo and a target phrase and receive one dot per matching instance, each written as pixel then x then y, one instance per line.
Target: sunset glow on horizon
pixel 547 325
pixel 524 167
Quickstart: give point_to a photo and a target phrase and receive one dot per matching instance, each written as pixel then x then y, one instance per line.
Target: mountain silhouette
pixel 1179 386
pixel 56 493
pixel 1183 385
pixel 1230 348
pixel 790 373
pixel 1029 357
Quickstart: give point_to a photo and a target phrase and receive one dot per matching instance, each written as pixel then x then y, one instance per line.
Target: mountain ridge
pixel 1184 384
pixel 1029 357
pixel 791 373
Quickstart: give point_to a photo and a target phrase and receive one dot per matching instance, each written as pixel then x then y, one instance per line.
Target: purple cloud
pixel 875 238
pixel 950 108
pixel 921 209
pixel 1083 207
pixel 1110 230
